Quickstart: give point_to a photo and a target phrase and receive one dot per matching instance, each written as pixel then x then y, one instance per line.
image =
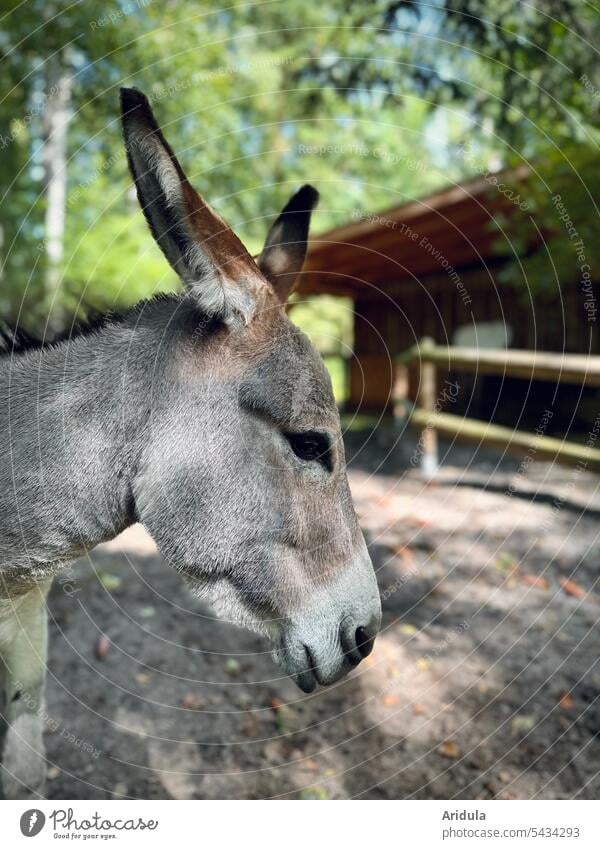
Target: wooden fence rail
pixel 528 365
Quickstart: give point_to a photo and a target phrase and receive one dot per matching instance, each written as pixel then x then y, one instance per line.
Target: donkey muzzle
pixel 325 657
pixel 329 638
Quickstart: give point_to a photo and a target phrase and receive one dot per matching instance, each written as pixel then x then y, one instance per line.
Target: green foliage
pixel 111 258
pixel 328 321
pixel 329 324
pixel 367 101
pixel 242 98
pixel 562 195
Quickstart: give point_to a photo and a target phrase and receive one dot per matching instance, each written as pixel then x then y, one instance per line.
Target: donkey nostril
pixel 357 643
pixel 364 642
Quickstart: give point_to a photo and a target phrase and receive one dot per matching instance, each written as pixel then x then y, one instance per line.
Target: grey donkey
pixel 209 418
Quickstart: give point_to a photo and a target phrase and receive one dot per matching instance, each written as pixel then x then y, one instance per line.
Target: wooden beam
pixel 514 441
pixel 529 365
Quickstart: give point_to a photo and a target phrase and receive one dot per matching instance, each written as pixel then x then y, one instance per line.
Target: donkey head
pixel 242 481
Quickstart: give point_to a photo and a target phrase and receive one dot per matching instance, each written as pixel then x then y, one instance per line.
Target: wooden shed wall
pixel 391 320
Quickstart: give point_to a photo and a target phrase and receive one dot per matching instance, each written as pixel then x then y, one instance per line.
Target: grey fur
pixel 175 418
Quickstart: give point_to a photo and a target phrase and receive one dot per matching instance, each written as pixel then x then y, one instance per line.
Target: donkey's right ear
pixel 212 262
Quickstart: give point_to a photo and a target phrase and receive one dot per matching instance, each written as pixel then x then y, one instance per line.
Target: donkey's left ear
pixel 284 252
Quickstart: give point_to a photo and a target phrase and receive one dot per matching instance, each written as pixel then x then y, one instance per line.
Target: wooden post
pixel 426 400
pixel 400 401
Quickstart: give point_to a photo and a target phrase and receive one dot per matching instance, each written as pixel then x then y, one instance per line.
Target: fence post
pixel 400 389
pixel 426 400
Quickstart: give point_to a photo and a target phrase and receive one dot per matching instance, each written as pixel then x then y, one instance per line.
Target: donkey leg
pixel 3 720
pixel 24 659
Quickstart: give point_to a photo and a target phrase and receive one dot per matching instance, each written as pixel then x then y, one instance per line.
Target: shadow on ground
pixel 484 682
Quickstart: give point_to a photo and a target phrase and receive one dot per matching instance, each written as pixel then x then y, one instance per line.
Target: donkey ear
pixel 284 252
pixel 215 267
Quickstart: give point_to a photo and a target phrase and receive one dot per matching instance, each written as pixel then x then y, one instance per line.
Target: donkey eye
pixel 310 446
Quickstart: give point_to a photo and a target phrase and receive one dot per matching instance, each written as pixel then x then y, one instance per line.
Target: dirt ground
pixel 484 682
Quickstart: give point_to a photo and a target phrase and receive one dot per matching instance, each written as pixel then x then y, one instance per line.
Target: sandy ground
pixel 484 683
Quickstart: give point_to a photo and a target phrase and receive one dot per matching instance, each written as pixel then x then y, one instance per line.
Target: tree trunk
pixel 54 156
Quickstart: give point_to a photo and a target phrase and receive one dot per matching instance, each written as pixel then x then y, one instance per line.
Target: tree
pixel 369 101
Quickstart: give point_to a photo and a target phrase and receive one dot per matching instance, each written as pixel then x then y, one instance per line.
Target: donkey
pixel 208 417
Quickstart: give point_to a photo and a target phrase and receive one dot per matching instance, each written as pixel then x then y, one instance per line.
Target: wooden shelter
pixel 427 269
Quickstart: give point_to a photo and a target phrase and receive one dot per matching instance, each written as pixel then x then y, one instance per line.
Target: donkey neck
pixel 73 418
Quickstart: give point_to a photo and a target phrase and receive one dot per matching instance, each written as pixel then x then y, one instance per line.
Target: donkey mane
pixel 15 339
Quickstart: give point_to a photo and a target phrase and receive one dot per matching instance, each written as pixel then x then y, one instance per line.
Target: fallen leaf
pixel 272 752
pixel 313 793
pixel 418 521
pixel 406 555
pixel 241 699
pixel 109 582
pixel 390 700
pixel 407 629
pixel 232 666
pixel 423 663
pixel 571 588
pixel 506 562
pixel 284 715
pixel 522 723
pixel 191 701
pixel 566 701
pixel 102 647
pixel 449 749
pixel 537 581
pixel 143 677
pixel 419 710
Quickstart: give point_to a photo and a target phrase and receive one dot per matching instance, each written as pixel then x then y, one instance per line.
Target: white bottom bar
pixel 291 824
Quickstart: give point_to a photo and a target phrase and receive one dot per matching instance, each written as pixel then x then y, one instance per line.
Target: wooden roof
pixel 412 240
